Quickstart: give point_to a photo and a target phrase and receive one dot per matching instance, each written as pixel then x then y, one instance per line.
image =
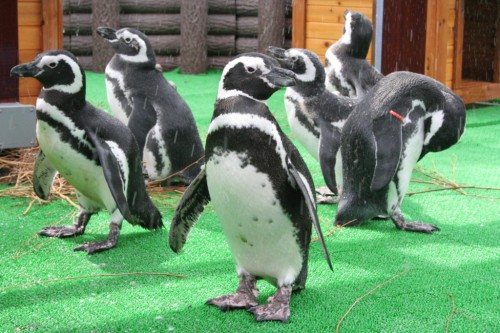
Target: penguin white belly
pixel 84 175
pixel 115 103
pixel 155 170
pixel 260 235
pixel 302 133
pixel 409 156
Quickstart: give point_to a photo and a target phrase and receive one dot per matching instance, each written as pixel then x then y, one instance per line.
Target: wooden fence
pixel 232 28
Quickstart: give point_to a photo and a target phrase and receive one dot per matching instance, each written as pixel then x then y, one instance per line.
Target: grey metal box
pixel 17 125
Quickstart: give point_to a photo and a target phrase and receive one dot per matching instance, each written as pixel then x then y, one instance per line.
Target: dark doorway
pixel 9 87
pixel 404 30
pixel 480 50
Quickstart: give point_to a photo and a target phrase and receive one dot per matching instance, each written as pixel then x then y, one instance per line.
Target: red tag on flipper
pixel 396 115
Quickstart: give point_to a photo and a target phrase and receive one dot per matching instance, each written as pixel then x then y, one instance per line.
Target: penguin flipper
pixel 110 163
pixel 188 210
pixel 388 134
pixel 329 144
pixel 43 176
pixel 142 119
pixel 307 194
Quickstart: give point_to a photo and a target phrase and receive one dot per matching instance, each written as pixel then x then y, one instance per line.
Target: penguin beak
pixel 281 77
pixel 280 55
pixel 107 33
pixel 276 52
pixel 25 70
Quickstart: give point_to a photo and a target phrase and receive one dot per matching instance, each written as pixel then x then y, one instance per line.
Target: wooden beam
pixel 299 24
pixel 52 24
pixel 436 39
pixel 459 44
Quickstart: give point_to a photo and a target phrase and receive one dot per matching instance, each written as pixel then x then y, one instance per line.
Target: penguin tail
pixel 148 216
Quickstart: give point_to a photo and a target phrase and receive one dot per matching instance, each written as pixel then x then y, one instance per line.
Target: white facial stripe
pixel 339 124
pixel 310 73
pixel 437 119
pixel 248 61
pixel 59 116
pixel 238 120
pixel 346 37
pixel 72 88
pixel 120 156
pixel 414 103
pixel 139 57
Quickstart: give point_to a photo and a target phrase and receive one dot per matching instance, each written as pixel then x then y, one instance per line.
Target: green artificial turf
pixel 447 281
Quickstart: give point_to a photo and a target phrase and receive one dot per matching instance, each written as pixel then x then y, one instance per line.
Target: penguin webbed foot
pixel 100 246
pixel 414 226
pixel 61 231
pixel 278 307
pixel 325 196
pixel 245 297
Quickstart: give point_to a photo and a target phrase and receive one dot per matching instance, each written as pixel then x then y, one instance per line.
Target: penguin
pixel 315 115
pixel 383 139
pixel 259 186
pixel 347 71
pixel 151 107
pixel 92 150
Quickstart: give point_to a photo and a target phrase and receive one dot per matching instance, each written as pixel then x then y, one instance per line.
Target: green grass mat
pixel 385 280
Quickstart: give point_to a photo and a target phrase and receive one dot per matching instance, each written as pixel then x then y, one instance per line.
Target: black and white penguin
pixel 141 98
pixel 92 150
pixel 347 71
pixel 260 188
pixel 315 115
pixel 383 139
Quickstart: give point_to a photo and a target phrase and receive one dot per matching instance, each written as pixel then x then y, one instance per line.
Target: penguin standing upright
pixel 141 98
pixel 347 71
pixel 260 188
pixel 384 137
pixel 92 150
pixel 315 115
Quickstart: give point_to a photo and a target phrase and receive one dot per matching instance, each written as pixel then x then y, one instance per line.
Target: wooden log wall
pixel 232 28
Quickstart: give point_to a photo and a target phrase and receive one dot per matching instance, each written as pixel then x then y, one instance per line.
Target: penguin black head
pixel 130 44
pixel 305 64
pixel 56 70
pixel 357 32
pixel 255 75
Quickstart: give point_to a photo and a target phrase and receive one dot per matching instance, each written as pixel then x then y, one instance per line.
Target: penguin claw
pixel 94 247
pixel 237 300
pixel 278 307
pixel 61 231
pixel 273 311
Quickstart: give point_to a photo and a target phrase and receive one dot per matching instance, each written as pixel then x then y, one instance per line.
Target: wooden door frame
pixel 470 91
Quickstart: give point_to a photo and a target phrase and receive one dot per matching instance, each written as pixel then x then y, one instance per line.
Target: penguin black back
pixel 381 142
pixel 160 119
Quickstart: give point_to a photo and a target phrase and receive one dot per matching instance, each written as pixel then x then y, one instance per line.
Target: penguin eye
pixel 52 65
pixel 250 69
pixel 295 58
pixel 128 40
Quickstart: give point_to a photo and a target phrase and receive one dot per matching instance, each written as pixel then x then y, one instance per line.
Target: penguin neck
pixel 309 89
pixel 64 100
pixel 117 62
pixel 358 48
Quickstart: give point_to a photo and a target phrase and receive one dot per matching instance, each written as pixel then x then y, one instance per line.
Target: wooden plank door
pixel 9 87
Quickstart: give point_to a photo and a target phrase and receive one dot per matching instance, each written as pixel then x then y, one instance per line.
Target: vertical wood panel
pixel 299 24
pixel 52 26
pixel 436 39
pixel 459 43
